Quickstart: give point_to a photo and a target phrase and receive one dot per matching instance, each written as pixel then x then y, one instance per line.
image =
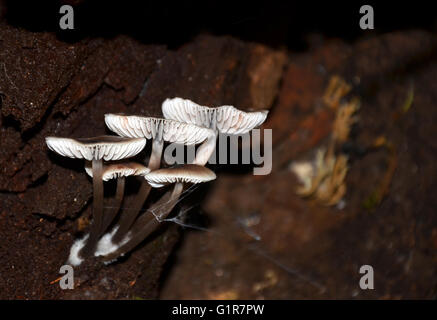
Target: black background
pixel 275 23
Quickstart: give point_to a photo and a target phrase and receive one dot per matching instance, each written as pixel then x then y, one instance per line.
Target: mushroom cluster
pixel 114 231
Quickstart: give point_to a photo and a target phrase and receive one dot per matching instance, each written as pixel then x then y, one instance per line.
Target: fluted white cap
pixel 97 148
pixel 189 173
pixel 116 170
pixel 157 128
pixel 225 119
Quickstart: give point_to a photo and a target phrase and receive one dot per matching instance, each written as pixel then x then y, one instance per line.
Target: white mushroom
pixel 189 173
pixel 96 149
pixel 117 171
pixel 225 119
pixel 160 130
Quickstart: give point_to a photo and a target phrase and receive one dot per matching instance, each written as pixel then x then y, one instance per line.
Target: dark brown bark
pixel 50 87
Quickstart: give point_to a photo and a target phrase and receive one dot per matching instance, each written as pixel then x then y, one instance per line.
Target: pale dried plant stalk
pixel 344 120
pixel 323 179
pixel 336 90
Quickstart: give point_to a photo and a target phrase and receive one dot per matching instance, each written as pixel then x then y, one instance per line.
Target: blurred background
pixel 352 114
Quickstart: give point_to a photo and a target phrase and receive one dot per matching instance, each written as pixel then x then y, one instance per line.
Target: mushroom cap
pixel 157 128
pixel 116 170
pixel 225 119
pixel 188 173
pixel 97 148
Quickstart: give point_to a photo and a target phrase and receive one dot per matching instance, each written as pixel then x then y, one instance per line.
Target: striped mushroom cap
pixel 157 128
pixel 225 119
pixel 116 170
pixel 188 173
pixel 97 148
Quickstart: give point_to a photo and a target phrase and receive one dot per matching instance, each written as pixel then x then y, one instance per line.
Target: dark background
pixel 289 54
pixel 274 23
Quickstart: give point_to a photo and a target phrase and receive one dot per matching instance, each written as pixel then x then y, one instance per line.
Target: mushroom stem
pixel 205 150
pixel 145 226
pixel 155 157
pixel 97 167
pixel 116 204
pixel 129 218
